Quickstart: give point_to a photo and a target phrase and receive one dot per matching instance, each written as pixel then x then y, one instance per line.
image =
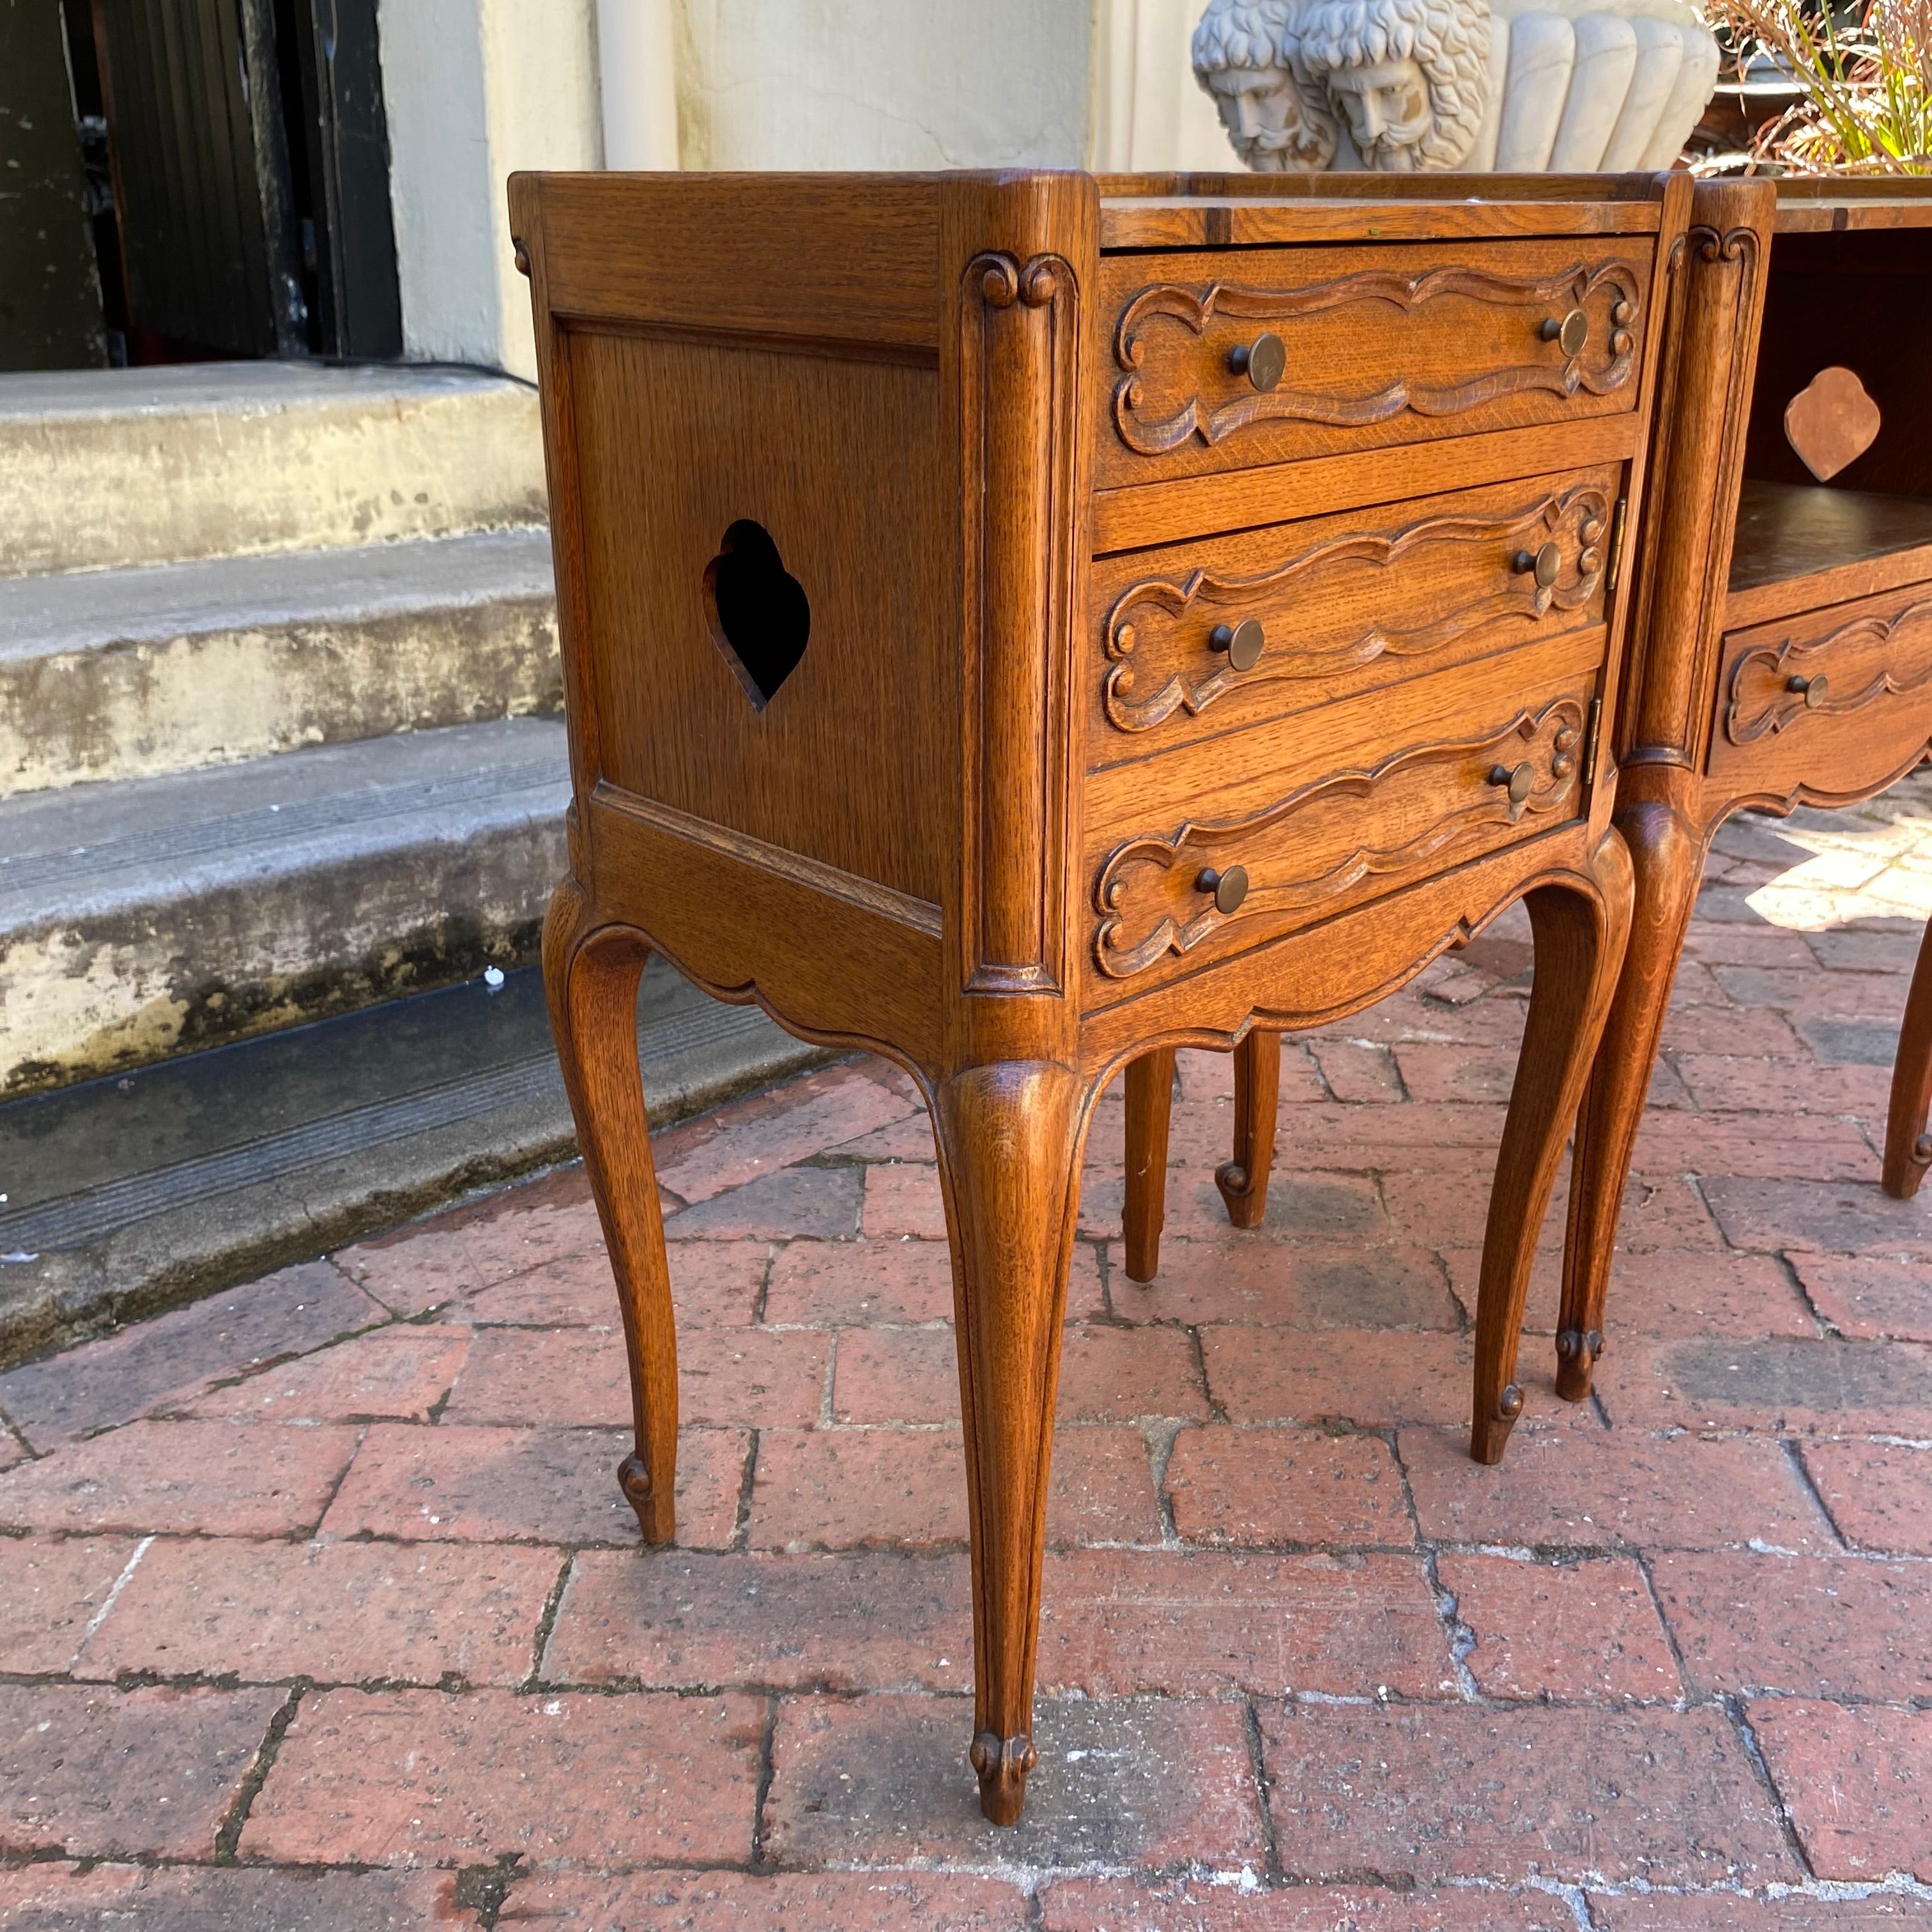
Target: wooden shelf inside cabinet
pixel 1021 635
pixel 1800 545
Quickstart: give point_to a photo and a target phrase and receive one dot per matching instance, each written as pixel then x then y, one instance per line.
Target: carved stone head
pixel 1244 57
pixel 1409 78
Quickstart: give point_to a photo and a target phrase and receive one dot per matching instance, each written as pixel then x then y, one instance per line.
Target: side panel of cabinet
pixel 837 459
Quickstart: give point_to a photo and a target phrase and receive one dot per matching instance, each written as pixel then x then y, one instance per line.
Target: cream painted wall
pixel 1149 112
pixel 474 89
pixel 884 83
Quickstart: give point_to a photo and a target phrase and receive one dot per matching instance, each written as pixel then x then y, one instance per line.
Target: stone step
pixel 163 667
pixel 147 916
pixel 131 1193
pixel 100 469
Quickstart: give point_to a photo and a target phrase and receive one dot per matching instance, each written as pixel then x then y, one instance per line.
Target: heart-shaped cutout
pixel 1831 422
pixel 760 618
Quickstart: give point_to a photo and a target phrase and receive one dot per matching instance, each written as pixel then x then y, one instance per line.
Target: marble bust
pixel 1243 56
pixel 1302 85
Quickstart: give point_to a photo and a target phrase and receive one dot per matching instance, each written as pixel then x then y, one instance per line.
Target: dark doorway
pixel 240 202
pixel 50 298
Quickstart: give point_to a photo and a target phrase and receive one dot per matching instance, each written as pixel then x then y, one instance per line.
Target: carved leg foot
pixel 590 976
pixel 1666 855
pixel 1908 1148
pixel 1010 1137
pixel 1244 1180
pixel 1149 1108
pixel 1580 946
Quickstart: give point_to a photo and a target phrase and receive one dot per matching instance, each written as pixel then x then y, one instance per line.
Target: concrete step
pixel 164 667
pixel 103 468
pixel 129 1194
pixel 152 916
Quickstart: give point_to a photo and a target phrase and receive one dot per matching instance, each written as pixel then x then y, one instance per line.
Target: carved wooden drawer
pixel 1225 361
pixel 1835 702
pixel 1205 851
pixel 1197 639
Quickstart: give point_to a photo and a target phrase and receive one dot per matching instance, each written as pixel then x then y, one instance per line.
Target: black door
pixel 250 176
pixel 50 307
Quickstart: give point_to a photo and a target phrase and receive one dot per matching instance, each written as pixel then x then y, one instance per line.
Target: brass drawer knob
pixel 1243 642
pixel 1264 361
pixel 1814 690
pixel 1517 783
pixel 1229 888
pixel 1570 332
pixel 1546 562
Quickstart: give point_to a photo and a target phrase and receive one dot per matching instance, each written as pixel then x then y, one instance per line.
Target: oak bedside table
pixel 1021 624
pixel 1783 646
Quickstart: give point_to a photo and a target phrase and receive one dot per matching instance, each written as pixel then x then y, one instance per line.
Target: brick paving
pixel 319 1608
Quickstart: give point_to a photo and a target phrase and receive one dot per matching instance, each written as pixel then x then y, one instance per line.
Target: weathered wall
pixel 474 89
pixel 883 83
pixel 1149 112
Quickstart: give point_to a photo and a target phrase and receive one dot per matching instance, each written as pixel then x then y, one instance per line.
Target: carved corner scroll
pixel 1859 663
pixel 1608 294
pixel 1019 347
pixel 1153 896
pixel 1159 633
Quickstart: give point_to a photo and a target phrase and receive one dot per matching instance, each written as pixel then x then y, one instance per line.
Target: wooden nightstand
pixel 1782 647
pixel 1019 624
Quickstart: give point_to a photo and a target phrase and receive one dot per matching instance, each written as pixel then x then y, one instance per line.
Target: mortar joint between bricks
pixel 1264 1785
pixel 547 1621
pixel 1216 1411
pixel 228 1837
pixel 767 1768
pixel 1160 1437
pixel 1461 1639
pixel 741 1522
pixel 483 1889
pixel 1801 1471
pixel 1733 1707
pixel 761 1300
pixel 1828 1330
pixel 302 1532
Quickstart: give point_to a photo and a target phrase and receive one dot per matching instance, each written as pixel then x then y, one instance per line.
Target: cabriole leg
pixel 1149 1109
pixel 590 977
pixel 1010 1137
pixel 1908 1148
pixel 1579 947
pixel 1244 1180
pixel 1667 856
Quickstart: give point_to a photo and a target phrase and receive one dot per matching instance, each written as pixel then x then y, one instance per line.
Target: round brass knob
pixel 1570 332
pixel 1516 783
pixel 1264 361
pixel 1229 888
pixel 1546 562
pixel 1243 642
pixel 1814 690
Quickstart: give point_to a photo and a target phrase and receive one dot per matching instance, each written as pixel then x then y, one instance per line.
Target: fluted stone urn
pixel 1508 85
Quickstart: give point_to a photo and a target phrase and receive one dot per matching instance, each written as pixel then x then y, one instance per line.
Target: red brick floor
pixel 319 1607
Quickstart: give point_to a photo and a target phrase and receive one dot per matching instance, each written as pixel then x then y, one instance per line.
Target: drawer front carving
pixel 1345 836
pixel 1833 702
pixel 1292 353
pixel 1198 638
